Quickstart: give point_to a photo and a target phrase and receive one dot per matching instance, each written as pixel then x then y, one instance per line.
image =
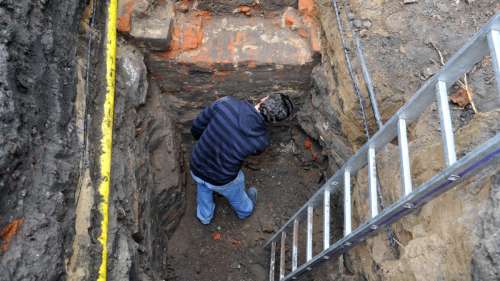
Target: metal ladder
pixel 486 41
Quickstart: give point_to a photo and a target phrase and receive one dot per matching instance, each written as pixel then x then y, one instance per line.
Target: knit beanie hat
pixel 277 107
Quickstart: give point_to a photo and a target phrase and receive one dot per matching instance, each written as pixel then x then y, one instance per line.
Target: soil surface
pixel 285 175
pixel 406 44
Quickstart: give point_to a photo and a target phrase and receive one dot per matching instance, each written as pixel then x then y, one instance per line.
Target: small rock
pixel 182 7
pixel 357 23
pixel 243 9
pixel 367 23
pixel 429 71
pixel 409 2
pixel 141 249
pixel 267 227
pixel 402 49
pixel 235 265
pixel 203 251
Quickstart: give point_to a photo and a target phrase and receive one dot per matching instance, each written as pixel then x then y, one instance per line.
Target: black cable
pixel 364 69
pixel 390 233
pixel 368 80
pixel 84 161
pixel 355 82
pixel 87 84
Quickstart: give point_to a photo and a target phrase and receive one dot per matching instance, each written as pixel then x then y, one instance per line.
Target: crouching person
pixel 227 132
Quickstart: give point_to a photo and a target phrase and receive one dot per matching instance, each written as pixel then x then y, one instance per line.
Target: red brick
pixel 307 7
pixel 292 19
pixel 244 9
pixel 8 232
pixel 315 41
pixel 314 31
pixel 243 46
pixel 124 19
pixel 183 6
pixel 187 34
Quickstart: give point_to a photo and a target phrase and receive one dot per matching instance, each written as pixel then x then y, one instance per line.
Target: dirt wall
pixel 147 191
pixel 38 152
pixel 50 142
pixel 148 173
pixel 449 238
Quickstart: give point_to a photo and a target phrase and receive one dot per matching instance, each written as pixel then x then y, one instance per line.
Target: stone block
pixel 126 9
pixel 153 30
pixel 153 34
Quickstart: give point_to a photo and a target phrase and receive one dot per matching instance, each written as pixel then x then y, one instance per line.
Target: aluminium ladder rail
pixel 486 41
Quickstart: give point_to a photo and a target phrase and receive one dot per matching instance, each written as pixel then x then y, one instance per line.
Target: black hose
pixel 390 233
pixel 355 82
pixel 87 80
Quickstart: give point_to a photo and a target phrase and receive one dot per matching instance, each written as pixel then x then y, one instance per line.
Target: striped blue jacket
pixel 227 131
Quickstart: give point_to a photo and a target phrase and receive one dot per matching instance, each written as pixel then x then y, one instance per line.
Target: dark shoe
pixel 202 223
pixel 252 193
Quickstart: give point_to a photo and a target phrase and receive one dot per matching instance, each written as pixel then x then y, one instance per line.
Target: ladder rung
pixel 372 182
pixel 326 219
pixel 309 249
pixel 347 202
pixel 295 243
pixel 282 255
pixel 273 261
pixel 404 156
pixel 494 43
pixel 446 126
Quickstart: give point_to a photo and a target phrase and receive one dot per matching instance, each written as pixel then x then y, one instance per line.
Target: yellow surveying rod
pixel 107 134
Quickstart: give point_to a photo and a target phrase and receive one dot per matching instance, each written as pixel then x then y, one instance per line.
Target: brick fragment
pixel 244 9
pixel 183 6
pixel 125 16
pixel 8 232
pixel 315 41
pixel 127 9
pixel 313 26
pixel 307 7
pixel 186 34
pixel 292 19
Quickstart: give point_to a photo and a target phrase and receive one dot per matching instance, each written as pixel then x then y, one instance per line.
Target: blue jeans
pixel 234 192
